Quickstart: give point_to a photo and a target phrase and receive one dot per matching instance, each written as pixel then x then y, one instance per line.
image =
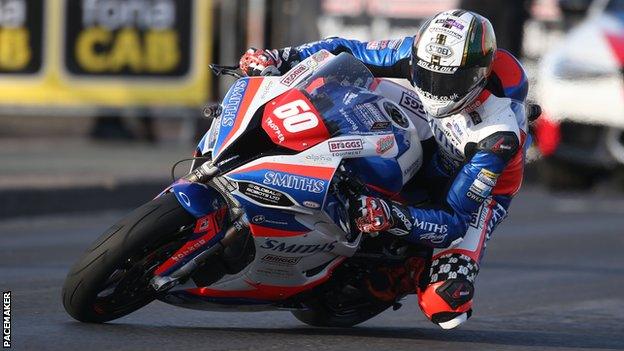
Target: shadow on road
pixel 461 337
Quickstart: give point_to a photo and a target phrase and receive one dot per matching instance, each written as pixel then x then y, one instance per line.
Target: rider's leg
pixel 447 298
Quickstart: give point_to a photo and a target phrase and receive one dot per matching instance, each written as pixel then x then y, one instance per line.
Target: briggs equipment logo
pixel 345 145
pixel 6 320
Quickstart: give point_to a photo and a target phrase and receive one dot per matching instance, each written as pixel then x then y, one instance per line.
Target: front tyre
pixel 112 278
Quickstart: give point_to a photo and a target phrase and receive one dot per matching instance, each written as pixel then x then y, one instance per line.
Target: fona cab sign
pixel 128 36
pixel 101 50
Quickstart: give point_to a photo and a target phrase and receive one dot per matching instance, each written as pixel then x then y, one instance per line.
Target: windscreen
pixel 344 69
pixel 324 90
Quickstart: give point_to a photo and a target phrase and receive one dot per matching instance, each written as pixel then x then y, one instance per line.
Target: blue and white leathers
pixel 480 150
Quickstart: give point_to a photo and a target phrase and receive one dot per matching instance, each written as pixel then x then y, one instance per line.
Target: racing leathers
pixel 477 155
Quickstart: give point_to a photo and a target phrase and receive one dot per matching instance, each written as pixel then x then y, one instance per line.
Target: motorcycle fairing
pixel 304 185
pixel 196 198
pixel 293 122
pixel 245 97
pixel 298 229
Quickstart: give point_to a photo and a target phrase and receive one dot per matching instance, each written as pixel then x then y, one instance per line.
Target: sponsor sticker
pixel 450 23
pixel 447 31
pixel 263 194
pixel 321 55
pixel 384 44
pixel 488 177
pixel 296 182
pixel 480 188
pixel 403 217
pixel 435 238
pixel 345 145
pixel 474 116
pixel 280 260
pixel 384 144
pixel 232 102
pixel 377 126
pixel 281 246
pixel 437 68
pixel 411 102
pixel 431 227
pixel 311 204
pixel 439 50
pixel 292 76
pixel 318 159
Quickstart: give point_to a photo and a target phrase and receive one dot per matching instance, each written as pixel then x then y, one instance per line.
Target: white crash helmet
pixel 452 58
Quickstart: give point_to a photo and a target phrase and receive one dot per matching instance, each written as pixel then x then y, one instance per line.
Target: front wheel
pixel 112 278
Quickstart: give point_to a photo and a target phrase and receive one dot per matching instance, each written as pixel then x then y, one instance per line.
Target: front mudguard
pixel 197 199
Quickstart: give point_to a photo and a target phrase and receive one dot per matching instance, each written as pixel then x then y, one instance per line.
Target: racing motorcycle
pixel 263 220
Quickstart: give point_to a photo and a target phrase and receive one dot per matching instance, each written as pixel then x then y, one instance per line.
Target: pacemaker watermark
pixel 6 320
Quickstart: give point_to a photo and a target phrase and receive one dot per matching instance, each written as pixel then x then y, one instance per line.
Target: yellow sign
pixel 104 53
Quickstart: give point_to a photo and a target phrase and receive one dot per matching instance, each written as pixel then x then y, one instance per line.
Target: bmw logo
pixel 258 219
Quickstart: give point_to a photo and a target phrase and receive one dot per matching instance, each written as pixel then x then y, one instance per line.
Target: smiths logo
pixel 290 181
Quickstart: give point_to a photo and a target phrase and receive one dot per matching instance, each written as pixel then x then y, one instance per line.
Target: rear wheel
pixel 112 278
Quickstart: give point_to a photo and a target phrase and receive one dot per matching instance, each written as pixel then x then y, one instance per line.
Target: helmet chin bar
pixel 452 107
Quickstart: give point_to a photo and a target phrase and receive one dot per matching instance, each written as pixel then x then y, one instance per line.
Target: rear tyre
pixel 321 314
pixel 112 278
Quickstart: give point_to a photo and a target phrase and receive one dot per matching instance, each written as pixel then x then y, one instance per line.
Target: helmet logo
pixel 439 50
pixel 437 68
pixel 450 23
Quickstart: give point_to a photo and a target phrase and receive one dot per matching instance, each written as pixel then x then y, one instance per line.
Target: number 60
pixel 296 116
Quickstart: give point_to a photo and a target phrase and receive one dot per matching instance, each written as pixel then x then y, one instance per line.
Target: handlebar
pixel 218 70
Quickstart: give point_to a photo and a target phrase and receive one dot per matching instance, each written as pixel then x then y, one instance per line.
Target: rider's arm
pixel 472 185
pixel 385 58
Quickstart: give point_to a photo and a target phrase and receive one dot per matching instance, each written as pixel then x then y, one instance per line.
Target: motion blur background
pixel 99 97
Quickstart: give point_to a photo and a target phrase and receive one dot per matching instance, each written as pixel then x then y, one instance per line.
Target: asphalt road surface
pixel 553 279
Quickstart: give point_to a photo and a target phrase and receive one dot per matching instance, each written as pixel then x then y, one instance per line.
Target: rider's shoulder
pixel 508 77
pixel 495 114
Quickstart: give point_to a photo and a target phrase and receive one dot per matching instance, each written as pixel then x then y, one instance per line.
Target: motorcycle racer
pixel 475 143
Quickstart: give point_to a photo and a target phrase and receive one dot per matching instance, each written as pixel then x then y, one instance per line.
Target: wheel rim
pixel 127 287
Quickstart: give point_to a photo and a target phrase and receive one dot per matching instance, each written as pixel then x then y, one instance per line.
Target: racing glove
pixel 258 62
pixel 379 215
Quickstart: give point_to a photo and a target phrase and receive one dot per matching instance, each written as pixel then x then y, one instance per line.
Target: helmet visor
pixel 447 83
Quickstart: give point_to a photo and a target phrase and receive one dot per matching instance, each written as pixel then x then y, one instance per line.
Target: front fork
pixel 220 222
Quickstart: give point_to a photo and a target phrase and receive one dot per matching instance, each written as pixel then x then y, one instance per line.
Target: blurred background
pixel 100 97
